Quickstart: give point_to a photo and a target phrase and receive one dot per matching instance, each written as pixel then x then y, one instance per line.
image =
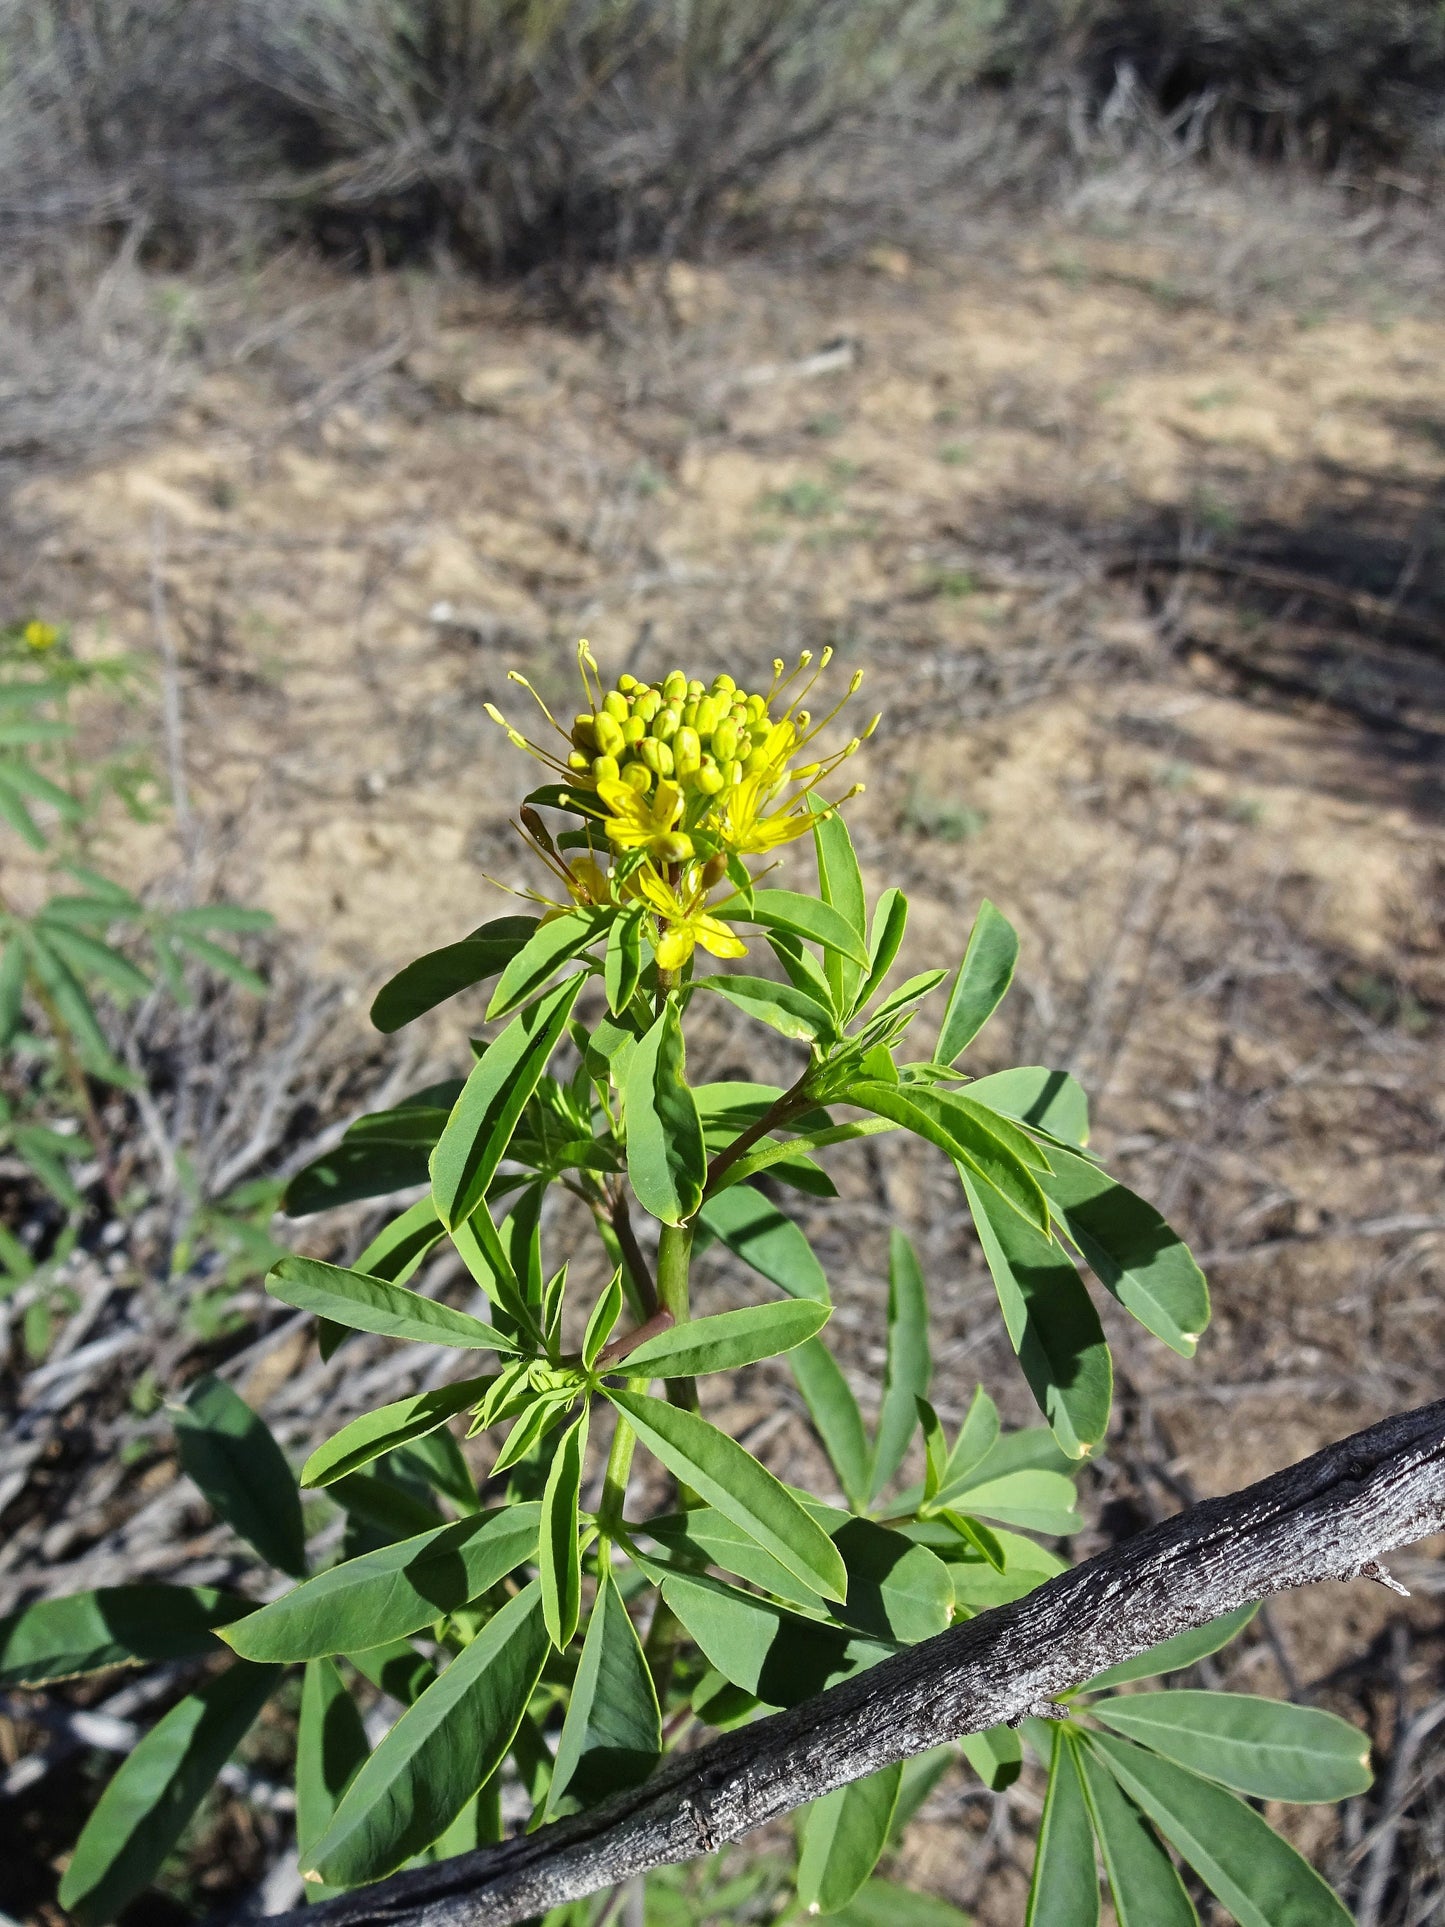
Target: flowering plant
pixel 535 1633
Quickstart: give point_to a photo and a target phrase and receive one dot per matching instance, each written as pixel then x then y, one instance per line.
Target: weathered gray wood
pixel 1330 1517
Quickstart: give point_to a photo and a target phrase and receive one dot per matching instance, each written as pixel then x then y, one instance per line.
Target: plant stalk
pixel 674 1258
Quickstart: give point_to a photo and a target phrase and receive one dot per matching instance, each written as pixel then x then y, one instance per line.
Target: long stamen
pixel 516 676
pixel 854 685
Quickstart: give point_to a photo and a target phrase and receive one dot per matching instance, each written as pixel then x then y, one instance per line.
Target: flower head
pixel 40 636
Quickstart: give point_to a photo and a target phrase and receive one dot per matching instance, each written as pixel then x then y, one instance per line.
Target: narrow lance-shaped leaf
pixel 431 979
pixel 396 1590
pixel 559 1561
pixel 604 1316
pixel 724 1475
pixel 1051 1324
pixel 910 1364
pixel 442 1749
pixel 840 885
pixel 992 1156
pixel 374 1305
pixel 790 1011
pixel 842 1836
pixel 612 1735
pixel 1048 1100
pixel 1266 1748
pixel 755 1230
pixel 56 1639
pixel 159 1785
pixel 390 1426
pixel 331 1745
pixel 552 945
pixel 1184 1649
pixel 996 1755
pixel 1131 1251
pixel 1065 1887
pixel 666 1160
pixel 622 966
pixel 230 1454
pixel 982 982
pixel 806 917
pixel 836 1417
pixel 1146 1888
pixel 727 1340
pixel 890 920
pixel 494 1096
pixel 1260 1878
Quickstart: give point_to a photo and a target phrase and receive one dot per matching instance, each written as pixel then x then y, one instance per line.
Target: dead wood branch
pixel 1325 1518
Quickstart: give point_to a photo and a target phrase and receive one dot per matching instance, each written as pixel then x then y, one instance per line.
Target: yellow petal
pixel 717 939
pixel 676 946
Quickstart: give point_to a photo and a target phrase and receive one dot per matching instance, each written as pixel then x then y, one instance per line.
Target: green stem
pixel 79 1083
pixel 782 1111
pixel 674 1257
pixel 619 1466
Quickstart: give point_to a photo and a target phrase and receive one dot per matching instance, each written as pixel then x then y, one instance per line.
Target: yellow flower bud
pixel 709 779
pixel 710 713
pixel 627 684
pixel 675 847
pixel 696 688
pixel 674 686
pixel 639 776
pixel 633 730
pixel 689 713
pixel 610 739
pixel 723 685
pixel 647 705
pixel 755 761
pixel 584 732
pixel 686 752
pixel 665 724
pixel 577 760
pixel 615 704
pixel 745 745
pixel 657 756
pixel 757 709
pixel 605 770
pixel 725 739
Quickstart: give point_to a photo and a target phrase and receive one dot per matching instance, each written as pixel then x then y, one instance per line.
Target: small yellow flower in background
pixel 689 776
pixel 686 922
pixel 40 636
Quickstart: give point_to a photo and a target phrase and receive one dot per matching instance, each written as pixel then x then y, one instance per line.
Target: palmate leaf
pixel 1051 1323
pixel 440 1752
pixel 228 1451
pixel 724 1475
pixel 1239 1857
pixel 842 1836
pixel 83 1632
pixel 727 1340
pixel 387 1594
pixel 1266 1748
pixel 441 974
pixel 612 1735
pixel 1064 1891
pixel 160 1784
pixel 666 1160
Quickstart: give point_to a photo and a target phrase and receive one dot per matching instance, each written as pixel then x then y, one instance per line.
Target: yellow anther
pixel 873 725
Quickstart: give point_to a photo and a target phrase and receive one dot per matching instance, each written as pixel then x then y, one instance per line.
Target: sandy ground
pixel 1211 803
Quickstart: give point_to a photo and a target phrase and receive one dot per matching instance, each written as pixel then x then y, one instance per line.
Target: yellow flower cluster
pixel 688 777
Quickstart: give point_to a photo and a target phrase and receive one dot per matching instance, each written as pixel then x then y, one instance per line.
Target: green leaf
pixel 991 1156
pixel 1147 1891
pixel 555 942
pixel 351 1171
pixel 982 981
pixel 431 979
pixel 622 966
pixel 437 1458
pixel 935 1447
pixel 84 953
pixel 754 1229
pixel 1266 1748
pixel 159 1785
pixel 835 1415
pixel 1131 1251
pixel 790 1011
pixel 1051 1324
pixel 1184 1649
pixel 879 1903
pixel 373 1305
pixel 216 957
pixel 440 1752
pixel 996 1755
pixel 396 1669
pixel 789 1150
pixel 666 1161
pixel 1064 1891
pixel 1239 1857
pixel 765 1649
pixel 724 1475
pixel 605 1314
pixel 387 1594
pixel 330 1748
pixel 559 1561
pixel 55 1639
pixel 485 1115
pixel 1034 1501
pixel 399 1248
pixel 230 1454
pixel 910 1365
pixel 842 1836
pixel 977 1437
pixel 890 920
pixel 1048 1100
pixel 612 1735
pixel 368 1437
pixel 806 917
pixel 727 1340
pixel 14 812
pixel 840 885
pixel 12 989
